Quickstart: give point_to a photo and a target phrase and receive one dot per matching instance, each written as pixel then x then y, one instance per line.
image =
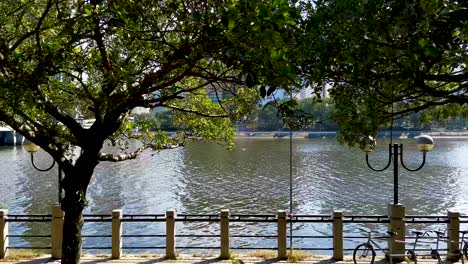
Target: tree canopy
pixel 65 59
pixel 208 61
pixel 386 59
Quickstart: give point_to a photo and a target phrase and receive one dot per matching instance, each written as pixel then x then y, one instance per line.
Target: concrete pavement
pixel 199 260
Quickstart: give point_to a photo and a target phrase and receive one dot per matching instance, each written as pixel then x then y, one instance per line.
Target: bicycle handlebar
pixel 364 230
pixel 369 232
pixel 421 234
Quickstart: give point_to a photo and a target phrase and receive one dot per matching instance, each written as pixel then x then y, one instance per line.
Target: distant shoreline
pixel 10 137
pixel 332 134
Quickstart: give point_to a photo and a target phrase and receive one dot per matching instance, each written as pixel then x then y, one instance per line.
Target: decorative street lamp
pixel 424 143
pixel 32 148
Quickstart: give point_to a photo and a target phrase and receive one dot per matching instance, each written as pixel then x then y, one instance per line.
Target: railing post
pixel 282 248
pixel 3 233
pixel 338 235
pixel 453 236
pixel 116 233
pixel 396 213
pixel 170 234
pixel 224 234
pixel 57 232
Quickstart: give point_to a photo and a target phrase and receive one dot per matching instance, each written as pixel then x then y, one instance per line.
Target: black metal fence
pixel 358 220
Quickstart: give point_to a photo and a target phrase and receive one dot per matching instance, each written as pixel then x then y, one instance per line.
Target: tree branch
pixel 160 100
pixel 121 157
pixel 194 112
pixel 39 136
pixel 134 154
pixel 101 46
pixel 85 87
pixel 38 28
pixel 65 119
pixel 150 79
pixel 447 77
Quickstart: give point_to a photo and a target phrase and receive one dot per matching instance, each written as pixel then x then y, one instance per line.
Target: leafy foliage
pixel 387 59
pixel 267 119
pixel 99 59
pixel 67 59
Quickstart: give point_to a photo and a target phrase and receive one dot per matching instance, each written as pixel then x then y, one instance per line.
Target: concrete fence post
pixel 453 236
pixel 3 233
pixel 224 234
pixel 338 235
pixel 396 213
pixel 116 233
pixel 170 234
pixel 57 232
pixel 282 247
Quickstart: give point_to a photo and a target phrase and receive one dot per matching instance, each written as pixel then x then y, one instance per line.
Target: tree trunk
pixel 72 225
pixel 75 184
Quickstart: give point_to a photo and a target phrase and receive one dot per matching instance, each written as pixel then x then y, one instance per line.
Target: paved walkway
pixel 198 260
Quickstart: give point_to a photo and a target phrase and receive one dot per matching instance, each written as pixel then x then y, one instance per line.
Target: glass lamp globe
pixel 425 143
pixel 30 146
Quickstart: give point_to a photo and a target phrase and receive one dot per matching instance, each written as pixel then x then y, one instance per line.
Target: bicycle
pixel 463 249
pixel 365 250
pixel 461 253
pixel 411 253
pixel 435 252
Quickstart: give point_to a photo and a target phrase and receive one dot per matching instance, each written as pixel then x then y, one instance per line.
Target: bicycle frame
pixel 412 252
pixel 463 243
pixel 375 245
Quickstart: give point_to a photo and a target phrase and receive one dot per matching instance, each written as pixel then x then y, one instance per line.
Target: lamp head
pixel 30 146
pixel 425 143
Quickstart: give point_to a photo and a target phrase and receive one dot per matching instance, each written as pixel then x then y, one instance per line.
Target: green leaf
pixel 231 24
pixel 423 42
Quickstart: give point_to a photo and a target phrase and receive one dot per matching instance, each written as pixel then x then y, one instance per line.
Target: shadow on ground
pixel 207 260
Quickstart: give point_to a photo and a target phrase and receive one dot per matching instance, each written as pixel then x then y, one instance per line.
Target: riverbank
pixel 261 256
pixel 9 137
pixel 332 134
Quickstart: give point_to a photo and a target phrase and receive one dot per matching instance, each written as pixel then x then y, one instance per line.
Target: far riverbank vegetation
pixel 321 113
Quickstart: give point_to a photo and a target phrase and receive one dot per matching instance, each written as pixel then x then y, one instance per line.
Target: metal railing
pixel 335 234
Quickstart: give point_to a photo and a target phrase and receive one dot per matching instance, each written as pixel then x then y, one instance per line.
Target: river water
pixel 203 178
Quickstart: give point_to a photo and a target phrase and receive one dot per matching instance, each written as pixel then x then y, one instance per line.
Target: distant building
pixel 325 88
pixel 140 110
pixel 304 93
pixel 308 92
pixel 278 95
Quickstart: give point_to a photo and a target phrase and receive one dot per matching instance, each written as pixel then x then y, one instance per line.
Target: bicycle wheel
pixel 435 255
pixel 411 255
pixel 364 253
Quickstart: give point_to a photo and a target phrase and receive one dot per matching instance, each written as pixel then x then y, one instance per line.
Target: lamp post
pixel 395 153
pixel 33 148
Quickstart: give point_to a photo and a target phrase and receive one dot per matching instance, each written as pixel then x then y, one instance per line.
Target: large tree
pixel 386 59
pixel 63 59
